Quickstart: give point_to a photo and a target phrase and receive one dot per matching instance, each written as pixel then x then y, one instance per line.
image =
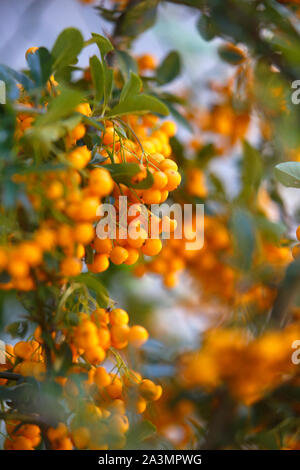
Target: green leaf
pixel 108 83
pixel 169 69
pixel 218 185
pixel 244 237
pixel 104 44
pixel 126 64
pixel 139 104
pixel 180 119
pixel 206 28
pixel 124 172
pixel 139 433
pixel 7 131
pixel 97 77
pixel 231 55
pixel 95 285
pixel 67 47
pixel 138 18
pixel 63 359
pixel 131 88
pixel 17 329
pixel 252 170
pixel 89 254
pixel 272 232
pixel 205 154
pixel 60 107
pixel 40 64
pixel 11 78
pixel 288 174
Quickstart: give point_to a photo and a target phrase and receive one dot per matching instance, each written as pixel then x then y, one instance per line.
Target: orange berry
pixel 170 280
pixel 296 251
pixel 55 190
pixel 168 164
pixel 114 390
pixel 31 253
pixel 80 157
pixel 87 210
pixel 118 316
pixel 298 233
pixel 152 196
pixel 152 247
pixel 83 233
pixel 64 236
pixel 147 389
pixel 100 182
pixel 138 335
pixel 23 350
pixel 86 335
pixel 64 444
pixel 100 316
pixel 160 180
pixel 136 237
pixel 118 255
pixel 158 394
pixel 81 437
pixel 70 267
pixel 133 256
pixel 164 196
pixel 155 159
pixel 102 377
pixel 119 335
pixel 57 433
pixel 84 108
pixel 119 424
pixel 18 268
pixel 174 179
pixel 100 263
pixel 104 337
pixel 3 259
pixel 169 127
pixel 31 50
pixel 103 245
pixel 147 62
pixel 77 133
pixel 110 136
pixel 95 355
pixel 22 443
pixel 141 405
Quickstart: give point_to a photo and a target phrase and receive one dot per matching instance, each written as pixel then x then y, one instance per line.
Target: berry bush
pixel 91 362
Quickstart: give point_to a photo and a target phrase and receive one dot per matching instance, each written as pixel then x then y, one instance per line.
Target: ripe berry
pixel 102 377
pixel 160 180
pixel 100 263
pixel 118 255
pixel 168 164
pixel 174 179
pixel 152 196
pixel 84 233
pixel 118 316
pixel 169 127
pixel 138 335
pixel 103 245
pixel 70 267
pixel 152 247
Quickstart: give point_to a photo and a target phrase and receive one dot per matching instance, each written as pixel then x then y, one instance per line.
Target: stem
pixel 10 376
pixel 219 425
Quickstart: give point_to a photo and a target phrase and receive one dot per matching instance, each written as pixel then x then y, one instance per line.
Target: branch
pixel 11 376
